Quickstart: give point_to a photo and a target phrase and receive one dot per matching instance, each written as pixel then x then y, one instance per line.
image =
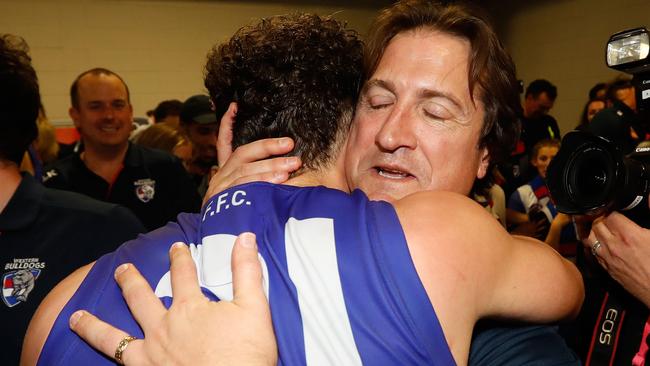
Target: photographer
pixel 618 316
pixel 620 122
pixel 603 173
pixel 623 249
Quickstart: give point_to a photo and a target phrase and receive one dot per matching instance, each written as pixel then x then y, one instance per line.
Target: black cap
pixel 198 108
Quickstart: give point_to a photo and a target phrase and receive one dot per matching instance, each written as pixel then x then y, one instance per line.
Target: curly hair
pixel 491 75
pixel 19 98
pixel 293 75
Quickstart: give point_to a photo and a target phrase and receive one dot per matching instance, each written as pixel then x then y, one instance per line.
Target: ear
pixel 74 115
pixel 224 138
pixel 483 164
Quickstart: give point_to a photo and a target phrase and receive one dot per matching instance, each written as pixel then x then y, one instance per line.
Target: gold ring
pixel 121 347
pixel 595 247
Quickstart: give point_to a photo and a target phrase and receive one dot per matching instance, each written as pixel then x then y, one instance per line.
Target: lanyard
pixel 639 358
pixel 606 332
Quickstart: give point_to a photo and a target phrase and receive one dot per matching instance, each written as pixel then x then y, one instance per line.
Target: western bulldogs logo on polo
pixel 145 189
pixel 17 285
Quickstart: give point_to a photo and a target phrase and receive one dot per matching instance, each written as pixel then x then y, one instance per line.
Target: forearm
pixel 554 234
pixel 515 217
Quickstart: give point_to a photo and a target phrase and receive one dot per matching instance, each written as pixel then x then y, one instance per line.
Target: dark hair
pixel 167 108
pixel 491 73
pixel 74 89
pixel 292 75
pixel 593 92
pixel 19 98
pixel 584 117
pixel 539 86
pixel 618 84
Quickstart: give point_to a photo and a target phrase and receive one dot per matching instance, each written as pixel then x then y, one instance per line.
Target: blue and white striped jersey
pixel 340 281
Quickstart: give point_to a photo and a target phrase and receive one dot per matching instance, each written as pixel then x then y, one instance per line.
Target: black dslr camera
pixel 590 175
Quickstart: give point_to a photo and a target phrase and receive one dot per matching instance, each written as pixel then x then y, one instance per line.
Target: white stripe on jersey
pixel 313 268
pixel 212 259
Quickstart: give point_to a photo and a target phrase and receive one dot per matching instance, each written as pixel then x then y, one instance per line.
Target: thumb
pixel 247 272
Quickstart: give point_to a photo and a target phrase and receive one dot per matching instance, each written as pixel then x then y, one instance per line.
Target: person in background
pixel 589 112
pixel 44 233
pixel 536 125
pixel 164 137
pixel 201 125
pixel 622 248
pixel 530 209
pixel 493 199
pixel 598 91
pixel 44 150
pixel 619 122
pixel 152 184
pixel 614 322
pixel 168 111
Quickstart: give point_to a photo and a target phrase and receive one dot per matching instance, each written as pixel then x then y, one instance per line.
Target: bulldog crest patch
pixel 145 189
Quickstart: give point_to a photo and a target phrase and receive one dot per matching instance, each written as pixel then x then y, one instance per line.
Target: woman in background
pixel 164 137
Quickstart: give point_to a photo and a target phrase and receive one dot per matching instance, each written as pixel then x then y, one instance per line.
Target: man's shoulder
pixel 73 203
pixel 117 223
pixel 436 202
pixel 149 157
pixel 549 119
pixel 449 225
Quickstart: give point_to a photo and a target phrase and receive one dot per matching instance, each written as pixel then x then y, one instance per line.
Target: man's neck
pixel 10 178
pixel 106 162
pixel 319 178
pixel 330 177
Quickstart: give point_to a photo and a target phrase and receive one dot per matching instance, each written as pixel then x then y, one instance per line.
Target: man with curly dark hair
pixel 44 234
pixel 276 91
pixel 349 280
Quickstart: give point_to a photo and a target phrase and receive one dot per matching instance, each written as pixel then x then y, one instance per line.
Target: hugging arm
pixel 506 276
pixel 251 162
pixel 237 332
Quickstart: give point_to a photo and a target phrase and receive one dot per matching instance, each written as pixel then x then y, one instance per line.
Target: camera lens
pixel 590 177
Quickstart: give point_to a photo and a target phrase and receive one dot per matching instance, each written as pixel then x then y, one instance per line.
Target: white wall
pixel 564 42
pixel 158 47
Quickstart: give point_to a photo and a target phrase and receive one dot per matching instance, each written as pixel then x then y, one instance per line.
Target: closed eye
pixel 379 102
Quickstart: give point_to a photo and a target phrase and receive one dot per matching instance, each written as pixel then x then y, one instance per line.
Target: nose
pixel 397 131
pixel 109 113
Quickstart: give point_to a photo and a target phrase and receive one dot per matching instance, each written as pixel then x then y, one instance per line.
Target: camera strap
pixel 607 330
pixel 640 357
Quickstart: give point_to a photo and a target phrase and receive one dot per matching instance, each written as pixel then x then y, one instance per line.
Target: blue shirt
pixel 340 281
